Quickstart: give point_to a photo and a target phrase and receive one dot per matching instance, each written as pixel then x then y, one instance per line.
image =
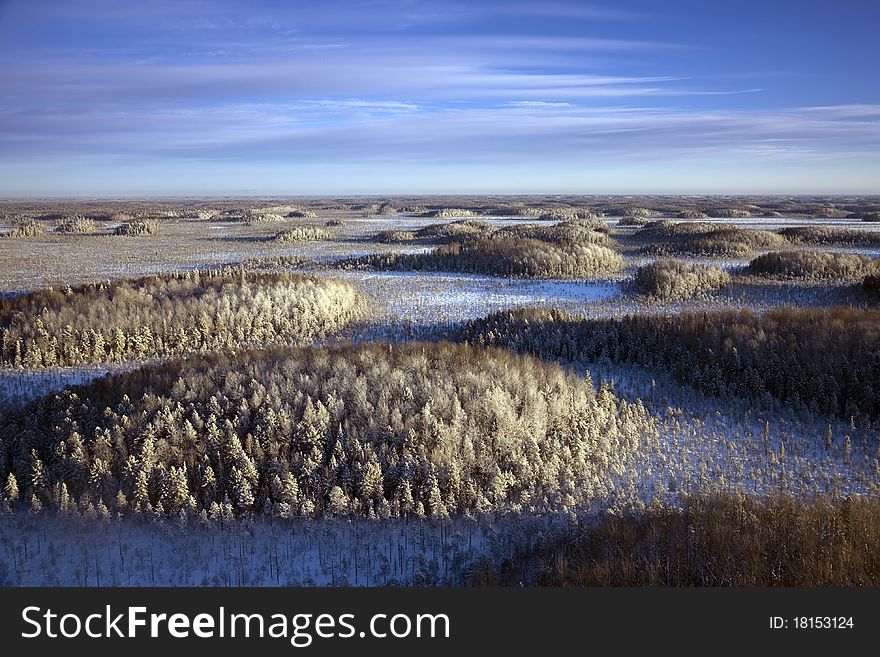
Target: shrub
pixel 692 214
pixel 448 213
pixel 632 222
pixel 732 213
pixel 138 227
pixel 301 214
pixel 303 234
pixel 76 225
pixel 334 223
pixel 27 228
pixel 871 216
pixel 812 265
pixel 391 236
pixel 671 279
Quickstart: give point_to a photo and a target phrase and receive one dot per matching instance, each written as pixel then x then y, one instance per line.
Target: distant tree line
pixel 439 233
pixel 572 231
pixel 830 236
pixel 705 239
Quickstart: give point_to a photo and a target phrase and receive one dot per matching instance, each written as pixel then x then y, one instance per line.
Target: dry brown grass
pixel 726 541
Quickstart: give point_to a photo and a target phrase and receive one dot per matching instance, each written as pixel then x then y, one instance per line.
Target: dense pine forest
pixel 827 361
pixel 394 430
pixel 170 314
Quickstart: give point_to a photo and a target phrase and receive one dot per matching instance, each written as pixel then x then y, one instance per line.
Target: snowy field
pixel 703 444
pixel 17 387
pixel 443 299
pixel 54 551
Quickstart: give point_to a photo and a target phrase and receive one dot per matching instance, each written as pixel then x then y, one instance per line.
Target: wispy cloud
pixel 404 84
pixel 326 130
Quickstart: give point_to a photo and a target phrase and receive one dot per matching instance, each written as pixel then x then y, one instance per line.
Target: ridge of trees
pixel 509 257
pixel 701 239
pixel 170 314
pixel 394 236
pixel 633 222
pixel 441 232
pixel 822 360
pixel 446 213
pixel 565 232
pixel 567 214
pixel 571 231
pixel 830 236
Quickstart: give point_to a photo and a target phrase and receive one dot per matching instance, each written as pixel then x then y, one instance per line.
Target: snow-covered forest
pixel 348 392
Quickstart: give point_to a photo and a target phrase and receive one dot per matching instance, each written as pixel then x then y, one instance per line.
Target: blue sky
pixel 215 97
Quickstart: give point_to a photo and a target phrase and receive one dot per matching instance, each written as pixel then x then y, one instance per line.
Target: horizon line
pixel 405 195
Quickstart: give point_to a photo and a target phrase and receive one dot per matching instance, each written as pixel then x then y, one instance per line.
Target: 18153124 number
pixel 822 622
